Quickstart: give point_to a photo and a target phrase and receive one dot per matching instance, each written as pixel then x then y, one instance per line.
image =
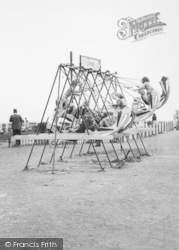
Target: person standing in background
pixel 154 118
pixel 177 124
pixel 26 123
pixel 16 121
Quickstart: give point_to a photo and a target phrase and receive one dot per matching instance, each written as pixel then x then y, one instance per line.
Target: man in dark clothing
pixel 154 118
pixel 17 121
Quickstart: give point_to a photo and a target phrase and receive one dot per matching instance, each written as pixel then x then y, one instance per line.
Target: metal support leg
pixel 89 147
pixel 102 169
pixel 81 147
pixel 74 144
pixel 42 154
pixel 146 153
pixel 26 166
pixel 130 147
pixel 122 149
pixel 56 142
pixel 61 156
pixel 114 150
pixel 140 137
pixel 120 162
pixel 106 154
pixel 137 145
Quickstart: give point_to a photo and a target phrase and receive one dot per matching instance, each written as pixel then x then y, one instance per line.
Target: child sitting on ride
pixel 121 103
pixel 57 118
pixel 120 100
pixel 69 113
pixel 87 123
pixel 138 105
pixel 65 105
pixel 144 96
pixel 82 110
pixel 107 120
pixel 66 111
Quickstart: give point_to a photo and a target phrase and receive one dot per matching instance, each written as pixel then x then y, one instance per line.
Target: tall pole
pixel 26 166
pixel 56 120
pixel 80 61
pixel 71 62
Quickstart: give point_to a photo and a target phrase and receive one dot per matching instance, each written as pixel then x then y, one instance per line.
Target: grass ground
pixel 134 207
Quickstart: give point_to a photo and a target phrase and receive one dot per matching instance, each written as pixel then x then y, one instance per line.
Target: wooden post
pixel 156 128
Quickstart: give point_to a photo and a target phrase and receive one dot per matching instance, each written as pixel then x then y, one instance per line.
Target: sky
pixel 38 35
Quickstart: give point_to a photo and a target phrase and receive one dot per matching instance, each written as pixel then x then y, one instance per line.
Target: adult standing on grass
pixel 16 121
pixel 26 123
pixel 177 124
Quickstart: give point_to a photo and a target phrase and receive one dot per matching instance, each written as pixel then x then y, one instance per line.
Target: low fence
pixel 161 127
pixel 145 131
pixel 153 130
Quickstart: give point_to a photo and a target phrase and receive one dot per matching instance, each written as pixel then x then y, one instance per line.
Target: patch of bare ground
pixel 126 207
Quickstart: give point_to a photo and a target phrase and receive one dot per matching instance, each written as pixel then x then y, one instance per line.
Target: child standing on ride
pixel 146 97
pixel 71 92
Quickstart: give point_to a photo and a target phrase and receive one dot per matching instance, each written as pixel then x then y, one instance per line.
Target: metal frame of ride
pixel 95 87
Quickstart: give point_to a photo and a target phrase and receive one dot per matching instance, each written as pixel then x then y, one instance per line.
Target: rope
pixel 129 93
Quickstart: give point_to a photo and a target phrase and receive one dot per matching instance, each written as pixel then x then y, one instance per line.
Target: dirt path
pixel 132 208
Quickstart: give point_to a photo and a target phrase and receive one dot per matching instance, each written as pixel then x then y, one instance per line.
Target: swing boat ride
pixel 85 91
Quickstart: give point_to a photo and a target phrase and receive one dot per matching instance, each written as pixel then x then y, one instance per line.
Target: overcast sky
pixel 37 35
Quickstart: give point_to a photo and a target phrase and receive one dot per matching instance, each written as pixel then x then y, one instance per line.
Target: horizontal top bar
pixel 64 136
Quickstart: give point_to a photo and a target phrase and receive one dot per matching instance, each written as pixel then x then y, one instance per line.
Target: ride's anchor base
pixel 26 168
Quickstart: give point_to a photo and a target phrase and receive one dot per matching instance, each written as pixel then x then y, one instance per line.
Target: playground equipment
pixel 85 96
